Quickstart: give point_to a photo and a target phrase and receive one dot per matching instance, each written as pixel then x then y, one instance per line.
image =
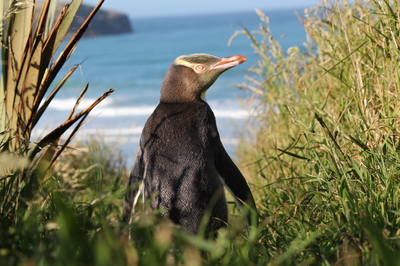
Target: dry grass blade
pixel 78 101
pixel 251 87
pixel 43 19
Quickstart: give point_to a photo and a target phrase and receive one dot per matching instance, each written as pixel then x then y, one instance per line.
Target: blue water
pixel 135 64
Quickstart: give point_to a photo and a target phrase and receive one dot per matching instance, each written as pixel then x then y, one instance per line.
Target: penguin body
pixel 182 166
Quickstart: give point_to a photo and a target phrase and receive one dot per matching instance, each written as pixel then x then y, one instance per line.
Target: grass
pixel 321 156
pixel 325 151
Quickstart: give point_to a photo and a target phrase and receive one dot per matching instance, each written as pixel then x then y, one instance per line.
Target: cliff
pixel 105 22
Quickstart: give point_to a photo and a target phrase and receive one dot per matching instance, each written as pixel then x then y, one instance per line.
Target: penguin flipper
pixel 236 184
pixel 134 188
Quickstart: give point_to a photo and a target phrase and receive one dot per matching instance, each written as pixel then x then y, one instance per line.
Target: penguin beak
pixel 229 62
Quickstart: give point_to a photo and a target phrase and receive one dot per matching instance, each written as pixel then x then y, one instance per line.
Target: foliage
pixel 322 158
pixel 75 219
pixel 30 65
pixel 32 56
pixel 325 153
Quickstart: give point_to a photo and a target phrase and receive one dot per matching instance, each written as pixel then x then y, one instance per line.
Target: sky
pixel 163 8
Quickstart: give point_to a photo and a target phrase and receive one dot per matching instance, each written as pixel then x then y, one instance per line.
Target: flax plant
pixel 32 56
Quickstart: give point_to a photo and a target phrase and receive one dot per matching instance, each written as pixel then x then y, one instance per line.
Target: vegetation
pixel 322 157
pixel 325 150
pixel 32 56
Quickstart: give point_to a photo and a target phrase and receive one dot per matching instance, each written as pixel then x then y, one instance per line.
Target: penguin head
pixel 190 76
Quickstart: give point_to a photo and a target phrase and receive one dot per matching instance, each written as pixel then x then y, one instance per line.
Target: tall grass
pixel 325 151
pixel 322 158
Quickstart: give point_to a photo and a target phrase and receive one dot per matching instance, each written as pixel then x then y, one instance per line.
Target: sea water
pixel 135 64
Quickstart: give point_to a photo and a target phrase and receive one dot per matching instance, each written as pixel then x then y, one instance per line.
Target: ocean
pixel 135 64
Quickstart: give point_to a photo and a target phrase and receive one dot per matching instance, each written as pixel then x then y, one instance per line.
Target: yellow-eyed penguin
pixel 181 165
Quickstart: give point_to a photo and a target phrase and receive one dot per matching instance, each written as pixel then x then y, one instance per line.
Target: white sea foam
pixel 147 110
pixel 97 131
pixel 124 134
pixel 68 103
pixel 107 108
pixel 233 114
pixel 113 131
pixel 125 111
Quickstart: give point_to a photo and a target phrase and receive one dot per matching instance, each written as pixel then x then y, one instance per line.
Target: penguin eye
pixel 199 68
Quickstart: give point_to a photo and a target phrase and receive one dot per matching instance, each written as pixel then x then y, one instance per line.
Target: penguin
pixel 181 166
